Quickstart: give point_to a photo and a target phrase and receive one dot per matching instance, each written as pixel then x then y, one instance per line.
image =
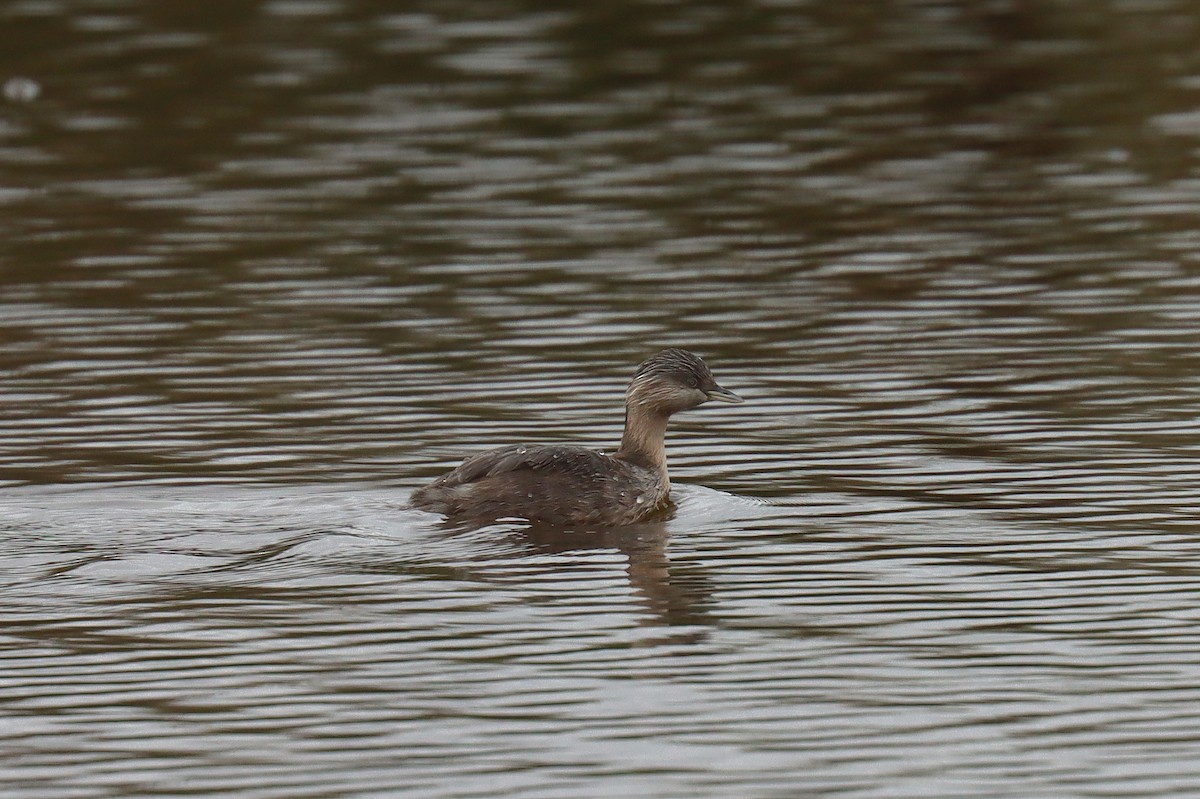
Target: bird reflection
pixel 676 594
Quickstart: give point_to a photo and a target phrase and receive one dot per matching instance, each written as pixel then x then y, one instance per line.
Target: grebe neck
pixel 644 440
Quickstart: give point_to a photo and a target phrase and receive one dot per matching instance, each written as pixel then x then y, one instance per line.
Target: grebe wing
pixel 570 460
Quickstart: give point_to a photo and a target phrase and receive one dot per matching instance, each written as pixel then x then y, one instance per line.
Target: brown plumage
pixel 571 486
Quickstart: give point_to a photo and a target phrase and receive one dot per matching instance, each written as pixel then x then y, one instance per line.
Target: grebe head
pixel 674 380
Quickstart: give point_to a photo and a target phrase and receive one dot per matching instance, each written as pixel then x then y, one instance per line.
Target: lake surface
pixel 267 267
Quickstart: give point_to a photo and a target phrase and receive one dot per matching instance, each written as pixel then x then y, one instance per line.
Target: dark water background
pixel 267 266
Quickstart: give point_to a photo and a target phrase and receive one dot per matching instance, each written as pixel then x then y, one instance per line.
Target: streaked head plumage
pixel 674 380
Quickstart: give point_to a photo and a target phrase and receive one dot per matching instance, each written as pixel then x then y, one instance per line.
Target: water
pixel 267 267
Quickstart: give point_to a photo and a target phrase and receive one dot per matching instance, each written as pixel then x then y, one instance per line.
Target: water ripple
pixel 268 268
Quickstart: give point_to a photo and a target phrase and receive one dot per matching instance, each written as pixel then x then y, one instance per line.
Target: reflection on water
pixel 674 596
pixel 266 267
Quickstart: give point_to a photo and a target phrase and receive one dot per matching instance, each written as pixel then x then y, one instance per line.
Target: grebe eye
pixel 693 382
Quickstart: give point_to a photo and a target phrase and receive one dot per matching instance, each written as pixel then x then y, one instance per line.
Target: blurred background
pixel 343 240
pixel 267 266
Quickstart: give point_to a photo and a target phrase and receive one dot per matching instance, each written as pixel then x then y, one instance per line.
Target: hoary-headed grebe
pixel 569 486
